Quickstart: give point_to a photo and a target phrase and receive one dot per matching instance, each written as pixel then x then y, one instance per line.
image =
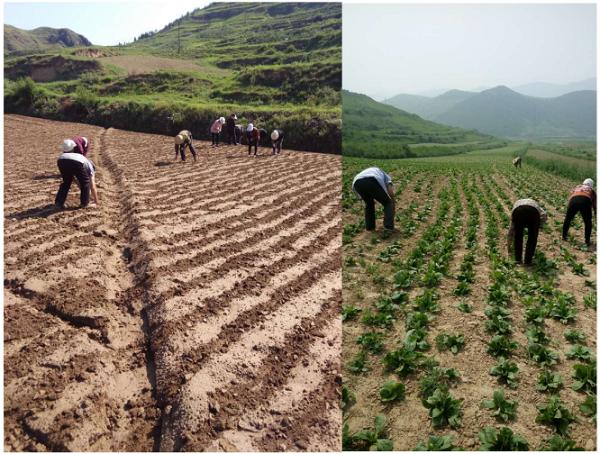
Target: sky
pixel 105 23
pixel 417 49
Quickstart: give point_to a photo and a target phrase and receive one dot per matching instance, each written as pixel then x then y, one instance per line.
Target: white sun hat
pixel 222 120
pixel 589 182
pixel 179 139
pixel 68 145
pixel 275 135
pixel 250 127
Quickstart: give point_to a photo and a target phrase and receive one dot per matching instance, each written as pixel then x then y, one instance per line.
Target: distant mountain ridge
pixel 17 40
pixel 504 112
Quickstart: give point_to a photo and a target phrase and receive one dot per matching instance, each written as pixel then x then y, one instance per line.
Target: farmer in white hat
pixel 74 165
pixel 277 140
pixel 526 214
pixel 374 184
pixel 253 137
pixel 215 130
pixel 232 130
pixel 581 200
pixel 182 140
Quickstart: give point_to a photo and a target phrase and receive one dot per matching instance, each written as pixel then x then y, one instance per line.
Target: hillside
pixel 549 90
pixel 18 41
pixel 428 107
pixel 275 64
pixel 377 130
pixel 504 112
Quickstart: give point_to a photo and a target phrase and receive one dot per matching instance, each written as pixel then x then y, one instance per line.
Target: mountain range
pixel 17 40
pixel 504 112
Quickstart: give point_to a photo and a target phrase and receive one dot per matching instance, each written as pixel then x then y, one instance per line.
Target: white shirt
pixel 87 164
pixel 374 172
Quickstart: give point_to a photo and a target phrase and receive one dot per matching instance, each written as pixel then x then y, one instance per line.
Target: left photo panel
pixel 172 226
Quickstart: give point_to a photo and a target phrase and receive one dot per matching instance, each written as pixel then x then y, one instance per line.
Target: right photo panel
pixel 469 238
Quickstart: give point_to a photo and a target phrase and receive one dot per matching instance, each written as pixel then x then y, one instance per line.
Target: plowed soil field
pixel 195 309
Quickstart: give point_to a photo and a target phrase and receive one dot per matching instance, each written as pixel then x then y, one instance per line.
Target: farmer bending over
pixel 182 140
pixel 526 214
pixel 232 130
pixel 374 184
pixel 277 140
pixel 253 137
pixel 215 131
pixel 517 161
pixel 74 165
pixel 582 200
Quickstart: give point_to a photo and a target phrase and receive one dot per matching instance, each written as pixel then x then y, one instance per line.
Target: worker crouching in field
pixel 526 214
pixel 517 161
pixel 277 140
pixel 374 184
pixel 582 200
pixel 74 165
pixel 253 138
pixel 183 140
pixel 215 131
pixel 233 131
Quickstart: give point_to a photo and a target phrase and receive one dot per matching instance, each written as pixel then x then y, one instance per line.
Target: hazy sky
pixel 104 23
pixel 391 49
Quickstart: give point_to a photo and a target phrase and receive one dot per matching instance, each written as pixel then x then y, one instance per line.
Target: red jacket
pixel 586 191
pixel 80 145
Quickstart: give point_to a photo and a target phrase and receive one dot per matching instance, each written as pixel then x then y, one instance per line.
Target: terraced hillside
pixel 195 309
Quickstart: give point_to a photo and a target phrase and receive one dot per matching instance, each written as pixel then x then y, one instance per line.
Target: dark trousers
pixel 215 138
pixel 182 150
pixel 232 136
pixel 579 204
pixel 526 217
pixel 370 190
pixel 252 143
pixel 70 169
pixel 277 146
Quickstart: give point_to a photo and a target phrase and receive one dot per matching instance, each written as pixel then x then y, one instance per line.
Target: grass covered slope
pixel 276 65
pixel 19 41
pixel 376 130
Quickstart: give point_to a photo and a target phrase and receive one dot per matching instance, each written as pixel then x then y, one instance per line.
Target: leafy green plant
pixel 588 407
pixel 555 414
pixel 465 307
pixel 549 382
pixel 536 315
pixel 558 443
pixel 369 439
pixel 359 365
pixel 348 398
pixel 506 372
pixel 436 377
pixel 392 391
pixel 438 443
pixel 585 377
pixel 503 409
pixel 501 346
pixel 403 361
pixel 575 336
pixel 498 325
pixel 444 410
pixel 590 300
pixel 563 310
pixel 427 301
pixel 501 440
pixel 543 356
pixel 452 342
pixel 415 339
pixel 372 342
pixel 381 319
pixel 349 312
pixel 580 352
pixel 417 320
pixel 536 335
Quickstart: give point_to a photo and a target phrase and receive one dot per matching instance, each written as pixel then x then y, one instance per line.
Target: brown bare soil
pixel 142 64
pixel 195 309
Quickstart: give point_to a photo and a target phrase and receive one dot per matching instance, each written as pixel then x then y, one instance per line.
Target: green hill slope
pixel 18 41
pixel 427 107
pixel 373 129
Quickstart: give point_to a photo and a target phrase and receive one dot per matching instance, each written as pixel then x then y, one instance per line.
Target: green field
pixel 274 64
pixel 446 342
